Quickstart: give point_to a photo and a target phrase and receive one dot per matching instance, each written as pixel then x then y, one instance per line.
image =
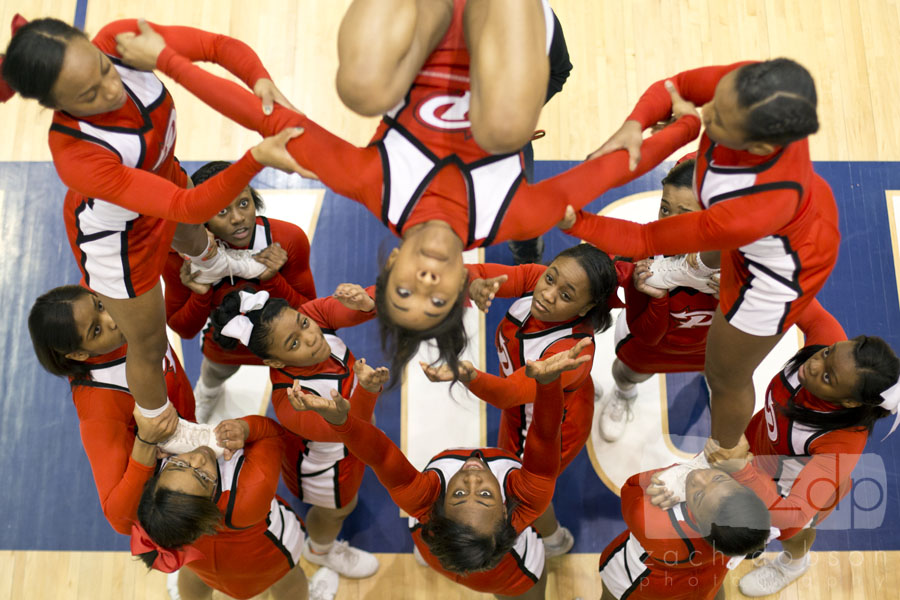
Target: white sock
pixel 555 538
pixel 702 270
pixel 201 263
pixel 152 413
pixel 793 564
pixel 320 548
pixel 628 394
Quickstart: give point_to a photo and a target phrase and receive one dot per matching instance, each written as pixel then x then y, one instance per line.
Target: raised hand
pixel 272 152
pixel 354 297
pixel 370 379
pixel 568 221
pixel 680 106
pixel 545 371
pixel 482 291
pixel 642 272
pixel 187 279
pixel 231 435
pixel 140 51
pixel 269 94
pixel 467 372
pixel 660 495
pixel 629 137
pixel 274 257
pixel 334 409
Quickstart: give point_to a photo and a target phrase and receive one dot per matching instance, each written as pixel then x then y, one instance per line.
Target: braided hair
pixel 780 97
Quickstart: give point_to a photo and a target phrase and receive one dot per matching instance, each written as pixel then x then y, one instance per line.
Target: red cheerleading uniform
pixel 800 472
pixel 664 335
pixel 105 406
pixel 520 337
pixel 662 555
pixel 187 312
pixel 317 467
pixel 126 188
pixel 404 181
pixel 774 219
pixel 531 481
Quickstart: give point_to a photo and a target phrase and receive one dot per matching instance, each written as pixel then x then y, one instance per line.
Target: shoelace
pixel 343 549
pixel 620 407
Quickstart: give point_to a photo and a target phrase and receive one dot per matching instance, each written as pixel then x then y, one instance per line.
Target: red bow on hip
pixel 7 92
pixel 167 561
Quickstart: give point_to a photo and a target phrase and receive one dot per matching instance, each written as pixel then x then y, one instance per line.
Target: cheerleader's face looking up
pixel 97 329
pixel 705 489
pixel 677 200
pixel 88 83
pixel 426 276
pixel 563 292
pixel 295 340
pixel 831 374
pixel 473 497
pixel 234 224
pixel 193 473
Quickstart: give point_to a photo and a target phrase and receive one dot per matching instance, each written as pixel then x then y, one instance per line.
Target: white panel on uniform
pixel 717 183
pixel 128 145
pixel 624 567
pixel 144 84
pixel 408 167
pixel 491 184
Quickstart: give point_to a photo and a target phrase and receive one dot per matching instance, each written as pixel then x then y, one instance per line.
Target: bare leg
pixel 607 595
pixel 720 595
pixel 142 321
pixel 214 374
pixel 192 587
pixel 537 592
pixel 190 239
pixel 324 524
pixel 546 524
pixel 293 586
pixel 800 544
pixel 626 377
pixel 382 45
pixel 711 258
pixel 731 358
pixel 509 71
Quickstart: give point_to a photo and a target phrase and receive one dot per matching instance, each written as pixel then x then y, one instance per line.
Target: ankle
pixel 317 548
pixel 556 537
pixel 787 561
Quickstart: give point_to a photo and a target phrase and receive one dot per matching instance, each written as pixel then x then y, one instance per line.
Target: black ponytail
pixel 780 96
pixel 601 275
pixel 51 324
pixel 261 319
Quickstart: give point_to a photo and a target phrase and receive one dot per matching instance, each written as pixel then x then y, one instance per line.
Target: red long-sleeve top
pixel 356 173
pixel 156 188
pixel 187 312
pixel 774 203
pixel 107 430
pixel 415 492
pixel 821 460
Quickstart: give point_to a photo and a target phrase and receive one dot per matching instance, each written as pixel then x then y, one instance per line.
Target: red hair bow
pixel 167 561
pixel 7 92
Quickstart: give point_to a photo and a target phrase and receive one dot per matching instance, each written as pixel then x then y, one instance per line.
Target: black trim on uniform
pixel 759 189
pixel 622 342
pixel 501 214
pixel 385 183
pixel 641 576
pixel 684 538
pixel 512 318
pixel 521 432
pixel 77 133
pixel 612 554
pixel 98 384
pixel 749 169
pixel 520 560
pixel 233 496
pixel 276 540
pixel 126 266
pixel 337 481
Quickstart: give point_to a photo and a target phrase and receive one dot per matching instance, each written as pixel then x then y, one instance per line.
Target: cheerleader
pixel 221 519
pixel 438 191
pixel 558 306
pixel 74 336
pixel 112 141
pixel 303 352
pixel 660 331
pixel 681 550
pixel 818 415
pixel 471 509
pixel 281 247
pixel 774 219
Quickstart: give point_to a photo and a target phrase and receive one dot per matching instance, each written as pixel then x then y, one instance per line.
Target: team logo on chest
pixel 444 112
pixel 165 147
pixel 694 318
pixel 771 419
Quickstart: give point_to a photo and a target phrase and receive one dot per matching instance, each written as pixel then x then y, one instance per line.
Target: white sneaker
pixel 227 262
pixel 675 271
pixel 418 556
pixel 345 559
pixel 770 578
pixel 206 399
pixel 565 544
pixel 172 586
pixel 323 585
pixel 189 436
pixel 616 415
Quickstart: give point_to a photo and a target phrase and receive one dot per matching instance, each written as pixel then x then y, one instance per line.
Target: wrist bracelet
pixel 143 440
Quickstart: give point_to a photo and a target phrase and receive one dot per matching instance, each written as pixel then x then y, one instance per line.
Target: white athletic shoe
pixel 206 399
pixel 323 585
pixel 172 586
pixel 565 544
pixel 227 262
pixel 345 559
pixel 418 556
pixel 770 578
pixel 675 271
pixel 189 436
pixel 616 415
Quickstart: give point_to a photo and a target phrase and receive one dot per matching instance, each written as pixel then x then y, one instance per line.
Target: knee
pixel 152 345
pixel 365 91
pixel 344 511
pixel 498 134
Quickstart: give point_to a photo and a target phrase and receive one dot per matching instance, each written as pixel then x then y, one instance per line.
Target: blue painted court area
pixel 49 501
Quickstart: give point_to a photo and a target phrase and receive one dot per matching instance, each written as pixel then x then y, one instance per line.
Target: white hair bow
pixel 240 327
pixel 891 401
